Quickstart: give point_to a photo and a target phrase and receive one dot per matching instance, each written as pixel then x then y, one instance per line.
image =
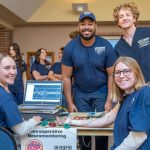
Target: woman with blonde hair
pixel 132 111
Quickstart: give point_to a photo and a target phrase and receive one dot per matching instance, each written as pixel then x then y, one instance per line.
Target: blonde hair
pixel 3 55
pixel 117 93
pixel 129 6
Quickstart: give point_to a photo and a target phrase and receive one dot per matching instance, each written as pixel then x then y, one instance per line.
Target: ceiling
pixel 24 12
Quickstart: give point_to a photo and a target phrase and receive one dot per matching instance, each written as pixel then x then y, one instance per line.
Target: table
pixel 82 131
pixel 85 131
pixel 106 131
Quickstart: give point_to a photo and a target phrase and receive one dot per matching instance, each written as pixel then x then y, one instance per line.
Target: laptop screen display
pixel 43 92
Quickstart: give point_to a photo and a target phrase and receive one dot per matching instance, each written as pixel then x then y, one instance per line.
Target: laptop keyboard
pixel 37 107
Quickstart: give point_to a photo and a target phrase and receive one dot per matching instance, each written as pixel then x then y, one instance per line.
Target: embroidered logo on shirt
pixel 99 50
pixel 144 42
pixel 132 102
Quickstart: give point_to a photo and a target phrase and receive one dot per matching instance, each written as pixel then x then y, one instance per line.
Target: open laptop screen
pixel 43 92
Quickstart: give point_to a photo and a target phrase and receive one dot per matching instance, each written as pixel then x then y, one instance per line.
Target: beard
pixel 87 38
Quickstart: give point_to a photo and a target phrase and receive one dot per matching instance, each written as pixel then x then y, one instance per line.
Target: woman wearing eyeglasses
pixel 131 114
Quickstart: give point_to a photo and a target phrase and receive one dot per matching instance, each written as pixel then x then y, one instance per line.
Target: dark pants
pixel 64 101
pixel 101 142
pixel 89 102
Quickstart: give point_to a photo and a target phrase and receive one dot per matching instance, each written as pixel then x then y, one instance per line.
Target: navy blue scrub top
pixel 42 69
pixel 56 68
pixel 140 49
pixel 18 86
pixel 9 113
pixel 134 115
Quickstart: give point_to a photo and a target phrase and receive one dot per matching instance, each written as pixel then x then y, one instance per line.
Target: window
pixel 113 42
pixel 112 39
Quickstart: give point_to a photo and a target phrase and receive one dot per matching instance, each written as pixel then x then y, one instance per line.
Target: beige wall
pixel 51 37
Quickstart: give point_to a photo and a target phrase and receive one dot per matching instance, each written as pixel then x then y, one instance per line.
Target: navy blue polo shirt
pixel 56 68
pixel 18 86
pixel 89 63
pixel 41 68
pixel 9 113
pixel 140 49
pixel 133 115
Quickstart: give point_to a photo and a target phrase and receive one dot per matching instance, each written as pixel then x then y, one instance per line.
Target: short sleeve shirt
pixel 56 68
pixel 18 86
pixel 89 63
pixel 42 69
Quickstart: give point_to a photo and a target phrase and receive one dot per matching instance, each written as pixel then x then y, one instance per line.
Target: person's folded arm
pixel 58 76
pixel 38 76
pixel 51 76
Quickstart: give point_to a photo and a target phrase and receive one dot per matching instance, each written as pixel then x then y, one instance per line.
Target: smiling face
pixel 87 28
pixel 43 55
pixel 7 71
pixel 126 19
pixel 124 77
pixel 12 52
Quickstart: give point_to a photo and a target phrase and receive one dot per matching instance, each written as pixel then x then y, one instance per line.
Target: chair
pixel 7 141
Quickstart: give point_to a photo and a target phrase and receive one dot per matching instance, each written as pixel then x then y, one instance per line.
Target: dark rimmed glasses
pixel 126 72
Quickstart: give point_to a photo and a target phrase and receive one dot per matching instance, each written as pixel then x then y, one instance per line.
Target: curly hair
pixel 129 6
pixel 74 34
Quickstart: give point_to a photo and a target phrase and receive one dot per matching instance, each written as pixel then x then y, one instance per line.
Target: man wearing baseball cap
pixel 89 60
pixel 87 15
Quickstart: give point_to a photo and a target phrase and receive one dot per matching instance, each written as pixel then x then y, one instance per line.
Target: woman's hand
pixel 37 119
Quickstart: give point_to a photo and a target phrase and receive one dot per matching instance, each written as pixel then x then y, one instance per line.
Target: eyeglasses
pixel 126 72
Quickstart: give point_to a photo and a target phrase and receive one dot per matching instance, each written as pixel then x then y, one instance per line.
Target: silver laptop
pixel 42 95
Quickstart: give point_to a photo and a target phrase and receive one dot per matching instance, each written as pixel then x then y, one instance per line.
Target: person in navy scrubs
pixel 17 89
pixel 55 74
pixel 89 60
pixel 41 67
pixel 10 116
pixel 135 41
pixel 131 114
